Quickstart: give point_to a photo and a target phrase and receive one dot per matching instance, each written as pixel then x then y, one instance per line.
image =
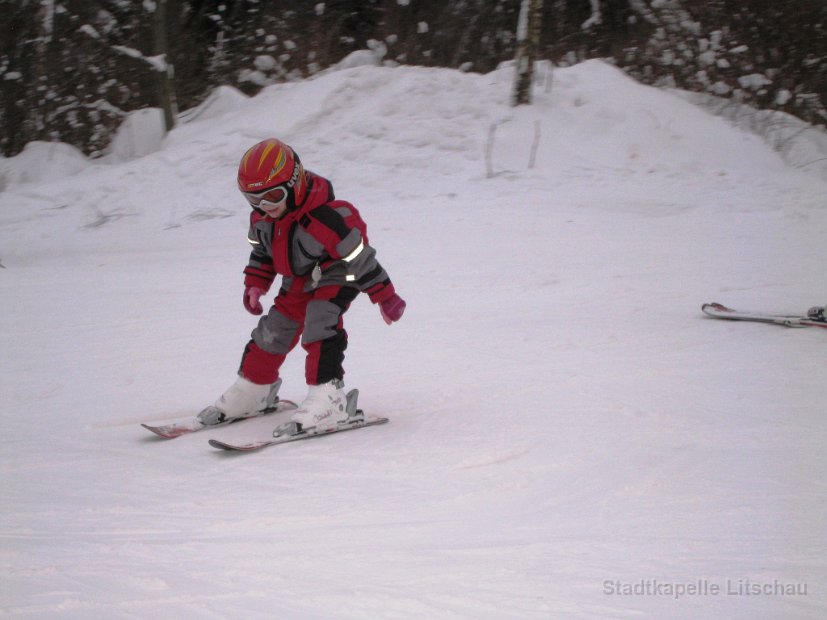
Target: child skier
pixel 319 246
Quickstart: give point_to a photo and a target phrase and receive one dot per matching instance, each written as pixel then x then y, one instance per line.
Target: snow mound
pixel 41 162
pixel 359 58
pixel 141 133
pixel 222 100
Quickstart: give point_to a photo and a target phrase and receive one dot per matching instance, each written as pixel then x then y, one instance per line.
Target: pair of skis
pixel 285 433
pixel 815 317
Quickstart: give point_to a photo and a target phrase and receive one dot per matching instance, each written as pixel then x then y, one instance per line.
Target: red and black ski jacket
pixel 324 240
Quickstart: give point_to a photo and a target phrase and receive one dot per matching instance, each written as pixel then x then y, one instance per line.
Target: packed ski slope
pixel 569 436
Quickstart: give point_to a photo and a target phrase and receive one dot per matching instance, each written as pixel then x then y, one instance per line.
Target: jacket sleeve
pixel 340 233
pixel 259 271
pixel 369 275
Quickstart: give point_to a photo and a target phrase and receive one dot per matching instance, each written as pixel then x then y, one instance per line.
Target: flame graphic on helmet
pixel 281 159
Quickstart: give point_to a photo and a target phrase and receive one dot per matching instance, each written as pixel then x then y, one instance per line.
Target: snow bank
pixel 41 162
pixel 221 101
pixel 141 133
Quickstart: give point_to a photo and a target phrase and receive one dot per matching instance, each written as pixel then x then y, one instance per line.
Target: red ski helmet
pixel 272 171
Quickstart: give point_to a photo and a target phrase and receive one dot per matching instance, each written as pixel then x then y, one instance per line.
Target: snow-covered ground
pixel 570 437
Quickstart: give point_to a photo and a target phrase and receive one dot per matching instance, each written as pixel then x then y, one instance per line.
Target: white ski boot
pixel 243 399
pixel 326 406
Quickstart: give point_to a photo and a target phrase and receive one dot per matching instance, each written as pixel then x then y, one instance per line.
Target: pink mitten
pixel 251 299
pixel 392 308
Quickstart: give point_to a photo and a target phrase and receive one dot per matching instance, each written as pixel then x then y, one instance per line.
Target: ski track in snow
pixel 561 413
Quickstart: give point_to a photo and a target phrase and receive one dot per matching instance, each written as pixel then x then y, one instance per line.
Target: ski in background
pixel 815 316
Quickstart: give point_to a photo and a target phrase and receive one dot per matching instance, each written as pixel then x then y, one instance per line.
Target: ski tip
pixel 716 306
pixel 160 432
pixel 221 445
pixel 215 443
pixel 716 310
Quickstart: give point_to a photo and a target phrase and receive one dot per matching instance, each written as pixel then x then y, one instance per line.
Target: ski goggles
pixel 269 198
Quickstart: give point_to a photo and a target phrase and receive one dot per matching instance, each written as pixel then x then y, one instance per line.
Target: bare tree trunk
pixel 528 42
pixel 164 68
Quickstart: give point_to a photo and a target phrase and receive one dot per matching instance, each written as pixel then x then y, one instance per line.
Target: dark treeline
pixel 71 69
